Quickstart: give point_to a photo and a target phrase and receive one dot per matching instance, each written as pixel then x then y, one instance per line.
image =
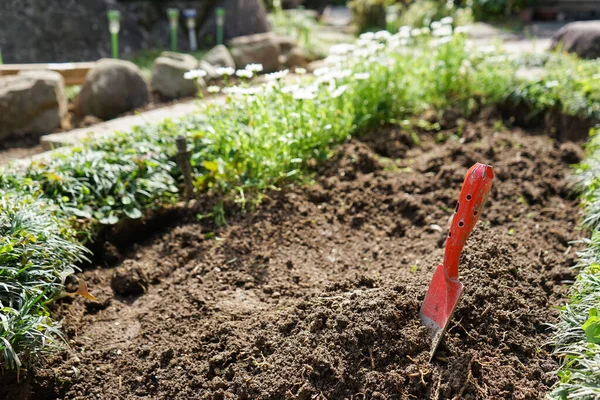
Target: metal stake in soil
pixel 173 14
pixel 220 12
pixel 114 25
pixel 183 160
pixel 190 21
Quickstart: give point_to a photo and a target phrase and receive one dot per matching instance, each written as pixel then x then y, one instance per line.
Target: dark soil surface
pixel 316 295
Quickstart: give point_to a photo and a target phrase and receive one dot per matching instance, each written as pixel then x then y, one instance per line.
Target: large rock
pixel 581 38
pixel 219 56
pixel 31 103
pixel 242 18
pixel 111 88
pixel 262 48
pixel 168 72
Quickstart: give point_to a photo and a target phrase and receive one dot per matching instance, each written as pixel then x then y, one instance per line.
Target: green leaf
pixel 133 213
pixel 591 327
pixel 6 248
pixel 211 166
pixel 110 220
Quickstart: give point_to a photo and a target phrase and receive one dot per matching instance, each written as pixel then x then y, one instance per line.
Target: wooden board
pixel 73 73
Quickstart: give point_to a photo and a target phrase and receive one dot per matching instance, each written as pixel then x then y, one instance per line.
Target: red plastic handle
pixel 472 197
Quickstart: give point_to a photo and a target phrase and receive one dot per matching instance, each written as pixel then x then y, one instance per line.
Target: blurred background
pixel 76 30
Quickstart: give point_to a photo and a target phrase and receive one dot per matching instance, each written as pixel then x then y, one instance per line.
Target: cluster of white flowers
pixel 244 73
pixel 275 76
pixel 255 68
pixel 195 74
pixel 371 50
pixel 225 71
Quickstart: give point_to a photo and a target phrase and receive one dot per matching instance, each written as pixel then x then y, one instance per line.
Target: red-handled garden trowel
pixel 445 289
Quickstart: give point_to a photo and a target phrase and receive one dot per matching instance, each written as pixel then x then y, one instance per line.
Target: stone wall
pixel 77 30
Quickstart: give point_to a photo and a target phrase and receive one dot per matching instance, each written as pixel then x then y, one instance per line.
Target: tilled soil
pixel 316 295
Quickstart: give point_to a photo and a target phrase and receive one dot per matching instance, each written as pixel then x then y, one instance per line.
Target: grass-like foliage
pixel 262 136
pixel 37 253
pixel 577 335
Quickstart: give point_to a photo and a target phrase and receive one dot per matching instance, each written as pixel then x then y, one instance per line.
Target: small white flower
pixel 254 67
pixel 462 29
pixel 225 71
pixel 341 74
pixel 244 73
pixel 342 48
pixel 232 90
pixel 465 67
pixel 447 20
pixel 551 84
pixel 275 76
pixel 337 92
pixel 320 71
pixel 213 89
pixel 289 89
pixel 441 41
pixel 444 30
pixel 436 25
pixel 195 74
pixel 425 30
pixel 361 76
pixel 367 36
pixel 300 71
pixel 382 35
pixel 304 94
pixel 334 59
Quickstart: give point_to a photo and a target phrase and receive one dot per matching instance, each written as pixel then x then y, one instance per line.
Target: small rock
pixel 286 43
pixel 129 279
pixel 111 88
pixel 32 102
pixel 262 48
pixel 168 76
pixel 295 58
pixel 211 73
pixel 219 56
pixel 571 153
pixel 581 38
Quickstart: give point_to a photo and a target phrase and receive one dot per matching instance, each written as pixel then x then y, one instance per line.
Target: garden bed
pixel 316 295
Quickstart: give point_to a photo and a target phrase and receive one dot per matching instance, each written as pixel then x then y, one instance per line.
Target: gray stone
pixel 210 71
pixel 168 72
pixel 337 15
pixel 262 48
pixel 31 103
pixel 295 58
pixel 286 43
pixel 219 56
pixel 581 38
pixel 111 88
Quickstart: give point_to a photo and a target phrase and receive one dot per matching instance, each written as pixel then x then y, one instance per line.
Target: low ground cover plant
pixel 577 335
pixel 263 136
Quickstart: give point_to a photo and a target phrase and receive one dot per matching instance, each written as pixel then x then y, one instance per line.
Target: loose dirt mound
pixel 316 295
